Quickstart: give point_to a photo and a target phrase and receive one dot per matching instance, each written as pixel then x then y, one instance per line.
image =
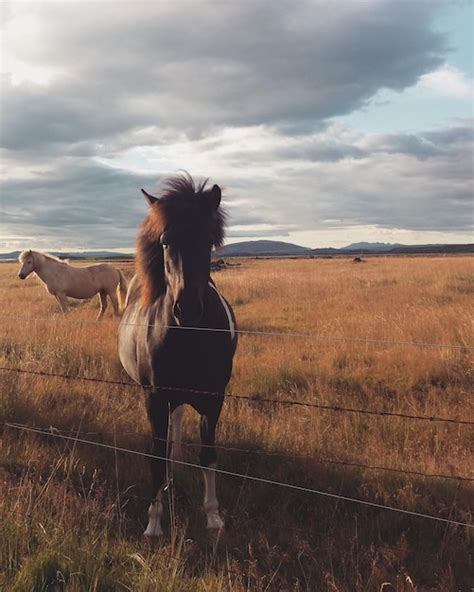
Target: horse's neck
pixel 46 269
pixel 150 271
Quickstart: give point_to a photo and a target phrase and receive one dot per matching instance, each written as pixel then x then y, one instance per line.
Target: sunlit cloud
pixel 449 81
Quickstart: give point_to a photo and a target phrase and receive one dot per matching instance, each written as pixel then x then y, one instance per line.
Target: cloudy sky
pixel 325 121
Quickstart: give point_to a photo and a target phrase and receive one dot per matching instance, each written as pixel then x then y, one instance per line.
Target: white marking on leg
pixel 211 505
pixel 176 420
pixel 155 512
pixel 103 305
pixel 227 311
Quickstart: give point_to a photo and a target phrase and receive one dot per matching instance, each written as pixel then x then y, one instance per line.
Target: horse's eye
pixel 164 240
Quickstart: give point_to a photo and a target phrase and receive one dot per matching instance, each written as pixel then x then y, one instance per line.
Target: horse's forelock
pixel 22 256
pixel 178 205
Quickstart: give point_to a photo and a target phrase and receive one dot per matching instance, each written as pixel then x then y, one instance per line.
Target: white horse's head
pixel 27 260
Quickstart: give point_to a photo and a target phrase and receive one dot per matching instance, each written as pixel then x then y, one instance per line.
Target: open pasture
pixel 73 514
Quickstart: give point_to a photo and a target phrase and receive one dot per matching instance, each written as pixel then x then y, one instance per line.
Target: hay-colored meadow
pixel 73 514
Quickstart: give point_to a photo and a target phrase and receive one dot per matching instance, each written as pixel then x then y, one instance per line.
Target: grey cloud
pixel 291 64
pixel 453 136
pixel 413 181
pixel 79 201
pixel 424 145
pixel 174 82
pixel 83 203
pixel 252 233
pixel 407 144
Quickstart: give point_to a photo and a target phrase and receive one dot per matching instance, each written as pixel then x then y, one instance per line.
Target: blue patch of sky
pixel 457 22
pixel 417 108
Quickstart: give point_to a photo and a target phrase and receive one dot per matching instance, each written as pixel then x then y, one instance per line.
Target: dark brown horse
pixel 172 290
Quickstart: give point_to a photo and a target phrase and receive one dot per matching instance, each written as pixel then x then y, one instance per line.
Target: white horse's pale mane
pixel 25 254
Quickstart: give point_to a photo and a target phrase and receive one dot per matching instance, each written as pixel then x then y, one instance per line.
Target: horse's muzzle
pixel 22 276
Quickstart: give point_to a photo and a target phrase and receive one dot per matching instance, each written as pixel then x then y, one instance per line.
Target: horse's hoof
pixel 152 536
pixel 153 533
pixel 215 522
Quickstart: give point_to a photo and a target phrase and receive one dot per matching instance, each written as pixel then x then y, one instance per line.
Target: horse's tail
pixel 122 290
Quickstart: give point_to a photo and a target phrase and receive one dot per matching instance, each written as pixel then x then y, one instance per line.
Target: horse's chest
pixel 191 358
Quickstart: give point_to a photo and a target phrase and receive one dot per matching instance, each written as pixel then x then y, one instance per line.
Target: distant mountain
pixel 96 255
pixel 269 248
pixel 10 256
pixel 431 249
pixel 371 247
pixel 261 247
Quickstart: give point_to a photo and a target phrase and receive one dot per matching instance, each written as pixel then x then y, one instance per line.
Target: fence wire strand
pixel 244 477
pixel 309 336
pixel 266 453
pixel 256 399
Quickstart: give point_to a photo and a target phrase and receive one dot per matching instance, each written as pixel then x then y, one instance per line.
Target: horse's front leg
pixel 158 413
pixel 176 428
pixel 208 458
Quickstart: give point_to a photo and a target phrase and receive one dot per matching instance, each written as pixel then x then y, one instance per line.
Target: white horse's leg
pixel 158 414
pixel 155 512
pixel 114 300
pixel 103 304
pixel 176 420
pixel 63 303
pixel 208 460
pixel 211 505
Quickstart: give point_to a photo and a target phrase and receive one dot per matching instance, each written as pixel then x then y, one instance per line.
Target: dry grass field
pixel 73 514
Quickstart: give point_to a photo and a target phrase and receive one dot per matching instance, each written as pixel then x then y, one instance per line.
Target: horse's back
pixel 85 282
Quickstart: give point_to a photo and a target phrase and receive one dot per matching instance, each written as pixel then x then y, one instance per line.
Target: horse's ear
pixel 215 197
pixel 150 198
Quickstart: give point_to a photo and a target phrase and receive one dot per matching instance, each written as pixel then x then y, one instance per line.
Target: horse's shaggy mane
pixel 25 254
pixel 183 204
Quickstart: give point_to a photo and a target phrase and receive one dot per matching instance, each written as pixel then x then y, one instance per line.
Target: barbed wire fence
pixel 247 477
pixel 292 335
pixel 256 399
pixel 251 451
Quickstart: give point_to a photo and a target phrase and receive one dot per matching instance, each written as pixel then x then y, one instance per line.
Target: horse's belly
pixel 82 291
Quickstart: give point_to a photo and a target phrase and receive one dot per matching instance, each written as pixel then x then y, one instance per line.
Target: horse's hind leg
pixel 63 303
pixel 208 458
pixel 103 304
pixel 115 304
pixel 158 414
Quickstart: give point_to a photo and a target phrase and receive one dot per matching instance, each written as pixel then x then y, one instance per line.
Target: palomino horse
pixel 63 280
pixel 166 337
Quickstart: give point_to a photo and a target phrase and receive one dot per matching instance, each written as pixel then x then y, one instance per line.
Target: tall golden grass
pixel 73 514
